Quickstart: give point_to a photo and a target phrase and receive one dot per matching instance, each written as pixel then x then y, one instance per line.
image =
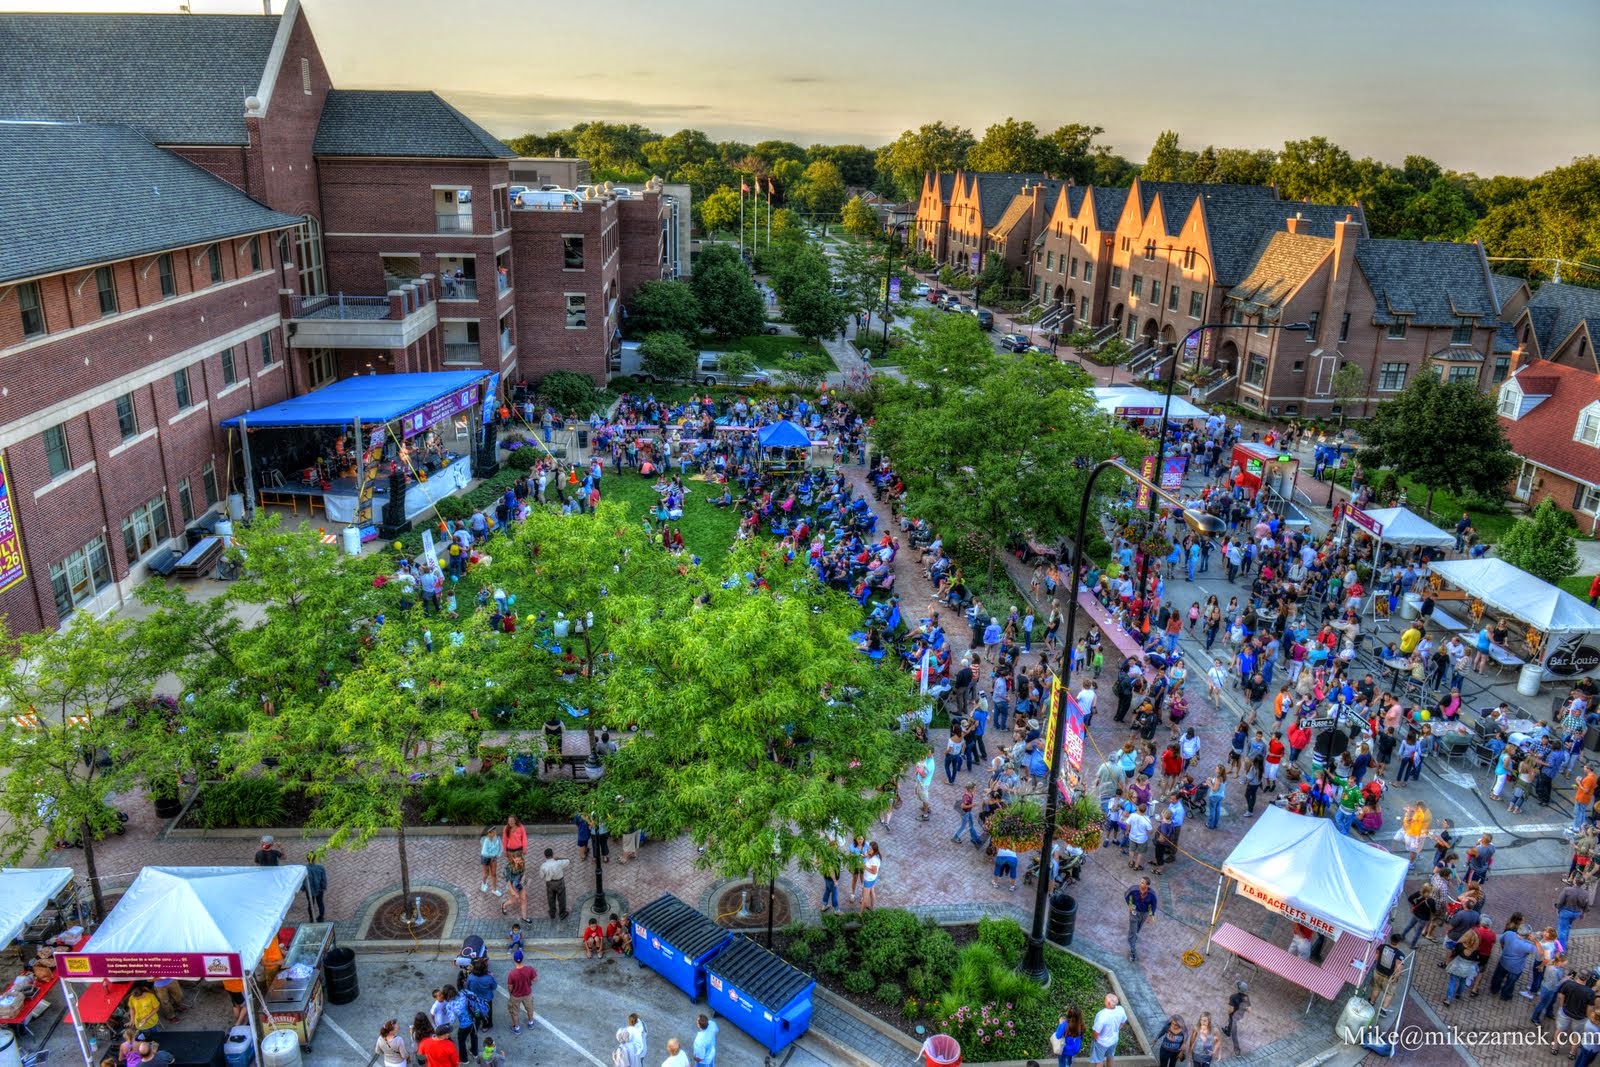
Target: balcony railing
pixel 506 342
pixel 339 306
pixel 454 223
pixel 500 219
pixel 461 352
pixel 458 288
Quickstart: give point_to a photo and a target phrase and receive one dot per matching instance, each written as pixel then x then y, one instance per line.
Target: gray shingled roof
pixel 1505 286
pixel 177 79
pixel 1177 198
pixel 1236 227
pixel 995 190
pixel 413 124
pixel 74 196
pixel 1505 338
pixel 1431 282
pixel 947 185
pixel 1108 205
pixel 1557 309
pixel 1283 262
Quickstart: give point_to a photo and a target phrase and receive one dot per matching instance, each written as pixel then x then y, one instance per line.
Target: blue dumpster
pixel 760 993
pixel 675 940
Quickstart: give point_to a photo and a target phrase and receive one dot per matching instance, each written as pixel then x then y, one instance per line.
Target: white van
pixel 549 199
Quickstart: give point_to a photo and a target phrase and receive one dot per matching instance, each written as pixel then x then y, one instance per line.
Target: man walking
pixel 1571 903
pixel 1142 903
pixel 705 1043
pixel 554 873
pixel 1238 1004
pixel 519 990
pixel 1107 1030
pixel 316 884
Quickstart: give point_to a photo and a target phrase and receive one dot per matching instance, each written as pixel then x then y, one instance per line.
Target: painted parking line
pixel 336 1028
pixel 579 1049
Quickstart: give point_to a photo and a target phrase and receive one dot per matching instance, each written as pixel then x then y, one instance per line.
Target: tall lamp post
pixel 1033 964
pixel 580 627
pixel 1161 432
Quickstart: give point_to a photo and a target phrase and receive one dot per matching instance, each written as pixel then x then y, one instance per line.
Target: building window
pixel 1462 333
pixel 1299 366
pixel 577 312
pixel 106 282
pixel 571 253
pixel 1073 273
pixel 1235 316
pixel 1588 428
pixel 32 309
pixel 1174 298
pixel 1127 243
pixel 1137 288
pixel 1116 277
pixel 1468 373
pixel 308 256
pixel 230 373
pixel 169 280
pixel 76 579
pixel 1196 301
pixel 1155 291
pixel 1088 270
pixel 56 450
pixel 1502 367
pixel 1262 326
pixel 1255 372
pixel 127 416
pixel 185 502
pixel 305 76
pixel 1588 498
pixel 1149 250
pixel 1344 327
pixel 1510 400
pixel 1392 377
pixel 255 254
pixel 1312 320
pixel 1188 259
pixel 1049 261
pixel 320 367
pixel 266 350
pixel 180 386
pixel 1083 308
pixel 1133 328
pixel 208 482
pixel 145 529
pixel 1397 330
pixel 214 264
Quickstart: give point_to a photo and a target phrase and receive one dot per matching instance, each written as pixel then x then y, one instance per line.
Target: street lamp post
pixel 1033 964
pixel 1161 433
pixel 580 627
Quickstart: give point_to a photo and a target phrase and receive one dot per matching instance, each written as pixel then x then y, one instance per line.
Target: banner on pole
pixel 1064 708
pixel 1148 469
pixel 1172 471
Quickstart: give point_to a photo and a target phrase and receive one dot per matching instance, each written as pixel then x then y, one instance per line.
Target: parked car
pixel 1014 342
pixel 920 289
pixel 935 295
pixel 771 328
pixel 952 304
pixel 711 373
pixel 985 318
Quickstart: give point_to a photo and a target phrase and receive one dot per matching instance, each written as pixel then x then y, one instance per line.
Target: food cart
pixel 294 997
pixel 1257 465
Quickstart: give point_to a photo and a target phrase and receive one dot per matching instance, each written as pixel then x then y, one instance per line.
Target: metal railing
pixel 461 352
pixel 1105 333
pixel 454 222
pixel 339 306
pixel 458 288
pixel 1204 393
pixel 499 218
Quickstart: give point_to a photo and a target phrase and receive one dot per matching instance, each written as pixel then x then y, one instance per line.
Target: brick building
pixel 198 223
pixel 1551 414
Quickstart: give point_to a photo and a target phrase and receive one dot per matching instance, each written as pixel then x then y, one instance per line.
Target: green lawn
pixel 707 531
pixel 774 352
pixel 1447 508
pixel 1577 585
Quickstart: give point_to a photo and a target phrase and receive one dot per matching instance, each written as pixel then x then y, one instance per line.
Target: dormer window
pixel 1462 333
pixel 1589 425
pixel 1510 400
pixel 1397 330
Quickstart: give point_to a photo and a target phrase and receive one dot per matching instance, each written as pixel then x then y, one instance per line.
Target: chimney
pixel 1344 265
pixel 1293 225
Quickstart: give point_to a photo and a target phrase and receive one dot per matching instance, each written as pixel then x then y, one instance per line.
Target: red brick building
pixel 197 223
pixel 1551 414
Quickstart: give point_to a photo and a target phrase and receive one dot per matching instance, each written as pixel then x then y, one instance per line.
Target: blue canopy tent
pixel 777 438
pixel 402 405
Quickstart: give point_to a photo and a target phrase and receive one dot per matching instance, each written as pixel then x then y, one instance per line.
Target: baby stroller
pixel 1194 802
pixel 472 948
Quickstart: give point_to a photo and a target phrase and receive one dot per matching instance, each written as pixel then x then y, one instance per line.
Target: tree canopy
pixel 663 305
pixel 1544 544
pixel 667 355
pixel 730 306
pixel 1445 435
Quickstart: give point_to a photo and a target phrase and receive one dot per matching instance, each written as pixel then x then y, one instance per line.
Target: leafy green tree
pixel 669 155
pixel 765 776
pixel 813 311
pixel 1111 169
pixel 1074 149
pixel 667 355
pixel 1114 353
pixel 719 211
pixel 858 218
pixel 822 189
pixel 786 226
pixel 857 164
pixel 613 146
pixel 1446 436
pixel 569 391
pixel 1438 213
pixel 1544 544
pixel 1238 166
pixel 861 270
pixel 1012 145
pixel 1348 386
pixel 730 306
pixel 705 178
pixel 1315 169
pixel 931 147
pixel 663 305
pixel 79 728
pixel 1167 161
pixel 799 265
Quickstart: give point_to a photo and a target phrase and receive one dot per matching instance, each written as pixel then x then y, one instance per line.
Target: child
pixel 618 935
pixel 514 942
pixel 1518 795
pixel 1097 660
pixel 594 939
pixel 491 1056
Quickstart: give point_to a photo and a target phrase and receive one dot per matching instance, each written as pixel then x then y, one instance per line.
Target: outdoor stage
pixel 338 503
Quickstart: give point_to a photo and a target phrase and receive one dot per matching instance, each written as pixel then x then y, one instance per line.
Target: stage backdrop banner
pixel 436 411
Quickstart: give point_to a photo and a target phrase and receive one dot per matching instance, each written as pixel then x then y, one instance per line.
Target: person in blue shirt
pixel 705 1043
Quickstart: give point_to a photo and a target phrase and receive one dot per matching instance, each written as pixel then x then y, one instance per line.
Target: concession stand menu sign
pixel 131 966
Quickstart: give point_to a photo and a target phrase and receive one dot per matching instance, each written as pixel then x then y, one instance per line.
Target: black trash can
pixel 583 437
pixel 339 973
pixel 1062 920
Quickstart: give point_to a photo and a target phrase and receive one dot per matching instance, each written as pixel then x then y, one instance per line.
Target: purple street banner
pixel 1064 706
pixel 133 966
pixel 438 410
pixel 1360 518
pixel 894 288
pixel 1139 413
pixel 12 567
pixel 1172 470
pixel 1148 469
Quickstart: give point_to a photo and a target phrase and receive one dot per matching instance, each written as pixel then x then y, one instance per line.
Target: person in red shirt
pixel 618 936
pixel 1275 750
pixel 439 1050
pixel 594 940
pixel 1299 738
pixel 514 838
pixel 519 989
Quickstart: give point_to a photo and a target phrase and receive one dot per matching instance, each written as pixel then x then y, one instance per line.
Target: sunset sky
pixel 1490 87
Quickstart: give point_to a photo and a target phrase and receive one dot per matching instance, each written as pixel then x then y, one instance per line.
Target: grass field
pixel 707 531
pixel 773 352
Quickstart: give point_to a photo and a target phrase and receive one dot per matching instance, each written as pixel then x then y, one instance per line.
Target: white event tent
pixel 1401 526
pixel 1513 591
pixel 1135 401
pixel 24 892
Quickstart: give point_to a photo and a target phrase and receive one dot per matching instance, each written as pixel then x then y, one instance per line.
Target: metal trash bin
pixel 1063 919
pixel 675 940
pixel 760 993
pixel 583 437
pixel 1410 606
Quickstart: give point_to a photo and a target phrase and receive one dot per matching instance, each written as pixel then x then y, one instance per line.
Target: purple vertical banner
pixel 12 567
pixel 1172 471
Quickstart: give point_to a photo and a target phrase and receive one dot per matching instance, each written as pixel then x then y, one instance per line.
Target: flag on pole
pixel 771 188
pixel 1064 707
pixel 744 186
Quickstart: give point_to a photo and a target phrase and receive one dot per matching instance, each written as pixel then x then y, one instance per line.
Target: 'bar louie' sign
pixel 1283 907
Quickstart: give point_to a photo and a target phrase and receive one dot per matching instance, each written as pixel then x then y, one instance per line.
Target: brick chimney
pixel 1294 225
pixel 1344 267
